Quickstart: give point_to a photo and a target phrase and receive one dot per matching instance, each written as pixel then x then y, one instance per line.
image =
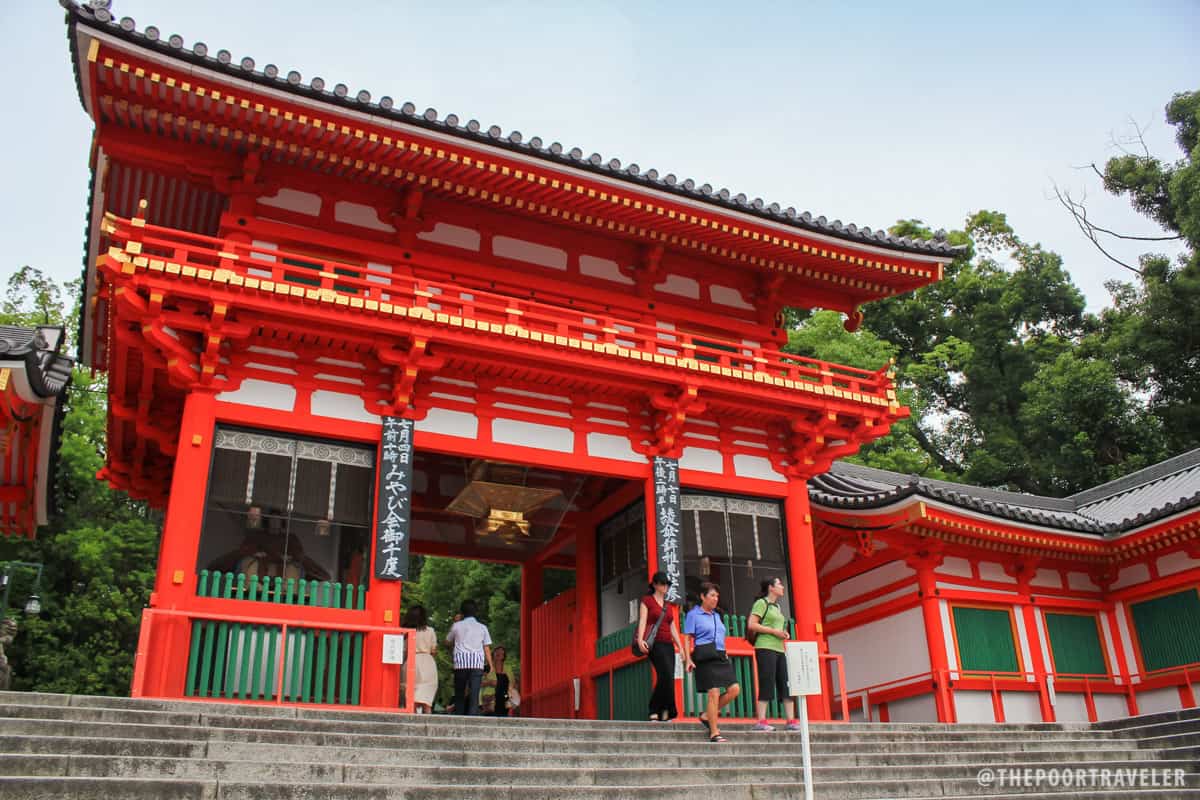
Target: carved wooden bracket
pixel 409 364
pixel 668 413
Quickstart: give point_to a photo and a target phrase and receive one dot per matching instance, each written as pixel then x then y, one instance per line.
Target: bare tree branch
pixel 1078 212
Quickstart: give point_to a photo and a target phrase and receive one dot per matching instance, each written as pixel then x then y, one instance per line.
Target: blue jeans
pixel 466 691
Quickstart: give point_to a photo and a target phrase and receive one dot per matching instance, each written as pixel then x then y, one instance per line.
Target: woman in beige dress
pixel 425 647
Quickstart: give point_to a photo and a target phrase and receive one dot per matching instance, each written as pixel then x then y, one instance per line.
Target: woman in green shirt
pixel 769 625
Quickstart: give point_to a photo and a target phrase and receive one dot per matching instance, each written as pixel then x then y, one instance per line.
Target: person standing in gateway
pixel 472 649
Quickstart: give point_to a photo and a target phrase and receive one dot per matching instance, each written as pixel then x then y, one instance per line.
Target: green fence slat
pixel 271 678
pixel 302 595
pixel 214 589
pixel 202 584
pixel 356 670
pixel 362 598
pixel 299 650
pixel 256 660
pixel 319 670
pixel 291 591
pixel 227 593
pixel 331 670
pixel 337 595
pixel 193 660
pixel 344 670
pixel 230 633
pixel 240 592
pixel 309 657
pixel 252 593
pixel 348 599
pixel 206 663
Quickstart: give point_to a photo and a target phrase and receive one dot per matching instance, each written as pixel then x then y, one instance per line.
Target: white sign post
pixel 393 648
pixel 804 679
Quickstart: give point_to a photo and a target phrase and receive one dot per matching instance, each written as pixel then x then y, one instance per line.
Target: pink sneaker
pixel 793 726
pixel 763 727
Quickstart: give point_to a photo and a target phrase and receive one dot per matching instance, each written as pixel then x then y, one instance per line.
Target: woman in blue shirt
pixel 714 671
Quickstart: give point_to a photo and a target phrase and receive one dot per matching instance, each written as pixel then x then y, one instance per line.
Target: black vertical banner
pixel 668 523
pixel 395 499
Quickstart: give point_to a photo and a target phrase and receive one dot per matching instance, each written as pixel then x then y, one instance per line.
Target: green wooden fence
pixel 291 592
pixel 241 661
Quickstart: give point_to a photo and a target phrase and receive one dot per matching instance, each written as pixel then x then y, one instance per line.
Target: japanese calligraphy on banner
pixel 668 523
pixel 395 499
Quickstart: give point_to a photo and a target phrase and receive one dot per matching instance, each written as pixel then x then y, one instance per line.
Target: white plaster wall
pixel 449 423
pixel 294 200
pixel 1070 707
pixel 362 216
pixel 867 604
pixel 1156 700
pixel 1023 642
pixel 605 445
pixel 948 635
pixel 880 576
pixel 340 405
pixel 452 235
pixel 1109 646
pixel 701 459
pixel 841 556
pixel 992 571
pixel 922 708
pixel 1081 581
pixel 955 566
pixel 603 268
pixel 263 394
pixel 1126 640
pixel 974 706
pixel 1111 706
pixel 259 272
pixel 1021 707
pixel 678 284
pixel 883 650
pixel 533 434
pixel 1047 577
pixel 1175 562
pixel 747 466
pixel 530 252
pixel 726 296
pixel 1134 573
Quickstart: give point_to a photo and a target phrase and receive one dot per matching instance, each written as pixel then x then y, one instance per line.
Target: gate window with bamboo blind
pixel 292 509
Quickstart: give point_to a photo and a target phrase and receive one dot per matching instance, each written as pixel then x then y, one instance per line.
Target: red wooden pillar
pixel 531 597
pixel 806 595
pixel 380 682
pixel 175 580
pixel 935 634
pixel 587 616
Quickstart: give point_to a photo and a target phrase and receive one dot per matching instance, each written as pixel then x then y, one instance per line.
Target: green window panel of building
pixel 985 640
pixel 1168 629
pixel 1075 644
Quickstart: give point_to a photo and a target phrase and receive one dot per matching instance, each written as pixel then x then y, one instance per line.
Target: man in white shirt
pixel 472 649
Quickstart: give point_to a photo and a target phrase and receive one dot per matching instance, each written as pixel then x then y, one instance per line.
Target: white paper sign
pixel 804 668
pixel 393 648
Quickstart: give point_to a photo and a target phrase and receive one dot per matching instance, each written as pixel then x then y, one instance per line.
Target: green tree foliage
pixel 99 549
pixel 992 359
pixel 1152 331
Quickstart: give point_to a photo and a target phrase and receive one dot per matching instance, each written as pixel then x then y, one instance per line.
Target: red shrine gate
pixel 273 268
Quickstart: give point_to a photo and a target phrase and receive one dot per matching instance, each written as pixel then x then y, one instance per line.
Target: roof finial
pixel 97 4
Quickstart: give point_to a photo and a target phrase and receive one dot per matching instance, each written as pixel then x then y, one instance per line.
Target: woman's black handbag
pixel 637 651
pixel 703 653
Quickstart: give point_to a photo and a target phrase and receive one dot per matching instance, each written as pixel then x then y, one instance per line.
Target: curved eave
pixel 514 144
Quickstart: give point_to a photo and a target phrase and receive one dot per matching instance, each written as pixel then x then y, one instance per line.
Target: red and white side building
pixel 283 276
pixel 34 376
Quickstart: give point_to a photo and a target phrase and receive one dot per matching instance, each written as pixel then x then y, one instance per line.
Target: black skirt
pixel 716 674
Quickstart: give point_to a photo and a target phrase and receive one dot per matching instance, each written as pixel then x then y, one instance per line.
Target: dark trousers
pixel 662 656
pixel 466 691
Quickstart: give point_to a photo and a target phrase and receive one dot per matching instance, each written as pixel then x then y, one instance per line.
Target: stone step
pixel 420 756
pixel 750 741
pixel 248 709
pixel 700 773
pixel 459 726
pixel 134 789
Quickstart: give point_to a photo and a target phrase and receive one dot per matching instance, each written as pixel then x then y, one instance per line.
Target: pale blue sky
pixel 864 112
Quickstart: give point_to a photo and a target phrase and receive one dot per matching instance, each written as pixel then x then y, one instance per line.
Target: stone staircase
pixel 65 746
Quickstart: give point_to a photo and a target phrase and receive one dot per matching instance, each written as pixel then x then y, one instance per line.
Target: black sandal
pixel 717 739
pixel 703 723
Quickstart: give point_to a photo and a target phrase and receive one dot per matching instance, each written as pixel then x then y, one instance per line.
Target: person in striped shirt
pixel 472 645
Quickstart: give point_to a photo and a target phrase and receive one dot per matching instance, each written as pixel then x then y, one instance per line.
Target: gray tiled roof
pixel 270 75
pixel 49 372
pixel 1134 500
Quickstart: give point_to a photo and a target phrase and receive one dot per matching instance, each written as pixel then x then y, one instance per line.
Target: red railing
pixel 356 286
pixel 943 683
